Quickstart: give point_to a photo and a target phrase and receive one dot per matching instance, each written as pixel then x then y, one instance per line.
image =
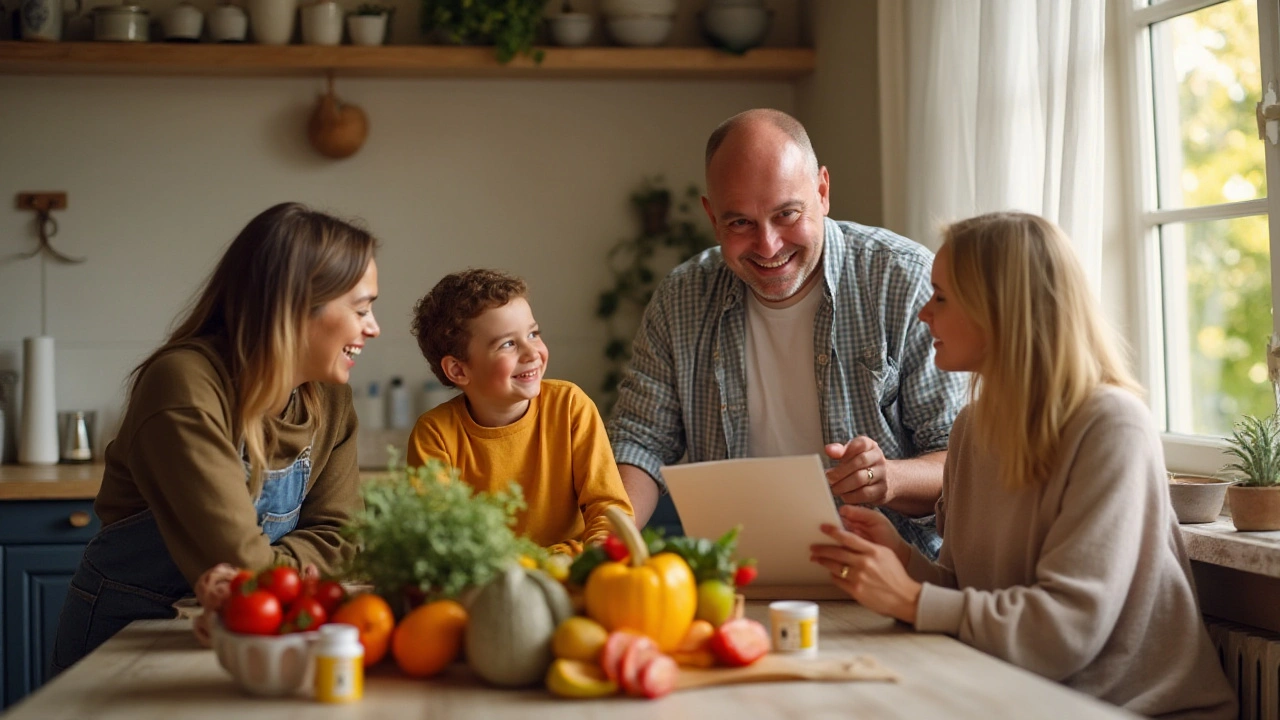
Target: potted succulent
pixel 509 25
pixel 1255 499
pixel 368 24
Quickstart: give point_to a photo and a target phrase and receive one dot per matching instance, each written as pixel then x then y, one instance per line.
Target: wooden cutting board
pixel 780 668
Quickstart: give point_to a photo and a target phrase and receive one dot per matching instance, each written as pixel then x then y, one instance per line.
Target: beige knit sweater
pixel 1081 578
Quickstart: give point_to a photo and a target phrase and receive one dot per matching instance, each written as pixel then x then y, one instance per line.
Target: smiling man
pixel 797 335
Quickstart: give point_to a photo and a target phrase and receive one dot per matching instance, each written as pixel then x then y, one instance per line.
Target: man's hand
pixel 861 475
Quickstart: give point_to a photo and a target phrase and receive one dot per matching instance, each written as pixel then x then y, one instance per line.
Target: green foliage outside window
pixel 1228 261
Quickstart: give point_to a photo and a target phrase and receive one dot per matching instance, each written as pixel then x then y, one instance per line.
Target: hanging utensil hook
pixel 46 226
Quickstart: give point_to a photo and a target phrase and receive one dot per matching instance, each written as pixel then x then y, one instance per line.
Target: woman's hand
pixel 874 526
pixel 212 590
pixel 870 572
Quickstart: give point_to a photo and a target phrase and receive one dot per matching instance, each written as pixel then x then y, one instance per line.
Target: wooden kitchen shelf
pixel 248 60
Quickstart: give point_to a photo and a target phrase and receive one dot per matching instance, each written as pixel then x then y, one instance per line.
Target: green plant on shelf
pixel 374 9
pixel 511 26
pixel 1255 443
pixel 637 264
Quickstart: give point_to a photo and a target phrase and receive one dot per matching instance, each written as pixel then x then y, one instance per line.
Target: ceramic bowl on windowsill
pixel 1197 499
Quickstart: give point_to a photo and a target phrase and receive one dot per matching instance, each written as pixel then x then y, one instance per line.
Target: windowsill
pixel 1219 543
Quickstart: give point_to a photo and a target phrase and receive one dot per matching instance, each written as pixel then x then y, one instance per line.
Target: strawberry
pixel 745 574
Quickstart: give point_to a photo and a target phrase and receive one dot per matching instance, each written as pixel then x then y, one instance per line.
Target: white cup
pixel 793 626
pixel 272 20
pixel 322 23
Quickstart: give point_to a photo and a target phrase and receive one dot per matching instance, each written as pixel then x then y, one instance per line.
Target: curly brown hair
pixel 440 318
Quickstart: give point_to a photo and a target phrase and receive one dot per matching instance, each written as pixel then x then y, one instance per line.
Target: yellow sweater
pixel 558 453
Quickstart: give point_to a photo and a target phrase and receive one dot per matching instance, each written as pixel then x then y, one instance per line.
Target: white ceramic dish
pixel 268 665
pixel 570 29
pixel 1197 499
pixel 736 27
pixel 639 30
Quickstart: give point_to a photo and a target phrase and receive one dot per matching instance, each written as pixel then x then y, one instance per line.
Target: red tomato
pixel 615 548
pixel 243 583
pixel 745 574
pixel 740 642
pixel 281 581
pixel 255 613
pixel 306 613
pixel 329 592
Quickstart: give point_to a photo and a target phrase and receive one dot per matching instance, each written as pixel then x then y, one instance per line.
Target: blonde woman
pixel 1059 549
pixel 238 444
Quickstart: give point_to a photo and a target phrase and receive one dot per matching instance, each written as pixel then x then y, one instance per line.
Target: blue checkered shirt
pixel 685 391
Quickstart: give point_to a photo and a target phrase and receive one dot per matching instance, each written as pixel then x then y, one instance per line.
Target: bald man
pixel 797 335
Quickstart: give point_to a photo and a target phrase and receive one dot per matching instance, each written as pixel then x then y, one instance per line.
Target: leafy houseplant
pixel 424 534
pixel 510 25
pixel 1255 500
pixel 637 267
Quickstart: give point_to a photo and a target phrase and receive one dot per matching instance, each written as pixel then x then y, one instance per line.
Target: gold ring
pixel 844 571
pixel 871 475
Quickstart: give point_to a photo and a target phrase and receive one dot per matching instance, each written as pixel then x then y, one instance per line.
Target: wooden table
pixel 154 669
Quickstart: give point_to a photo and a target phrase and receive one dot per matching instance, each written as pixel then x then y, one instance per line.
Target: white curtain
pixel 994 105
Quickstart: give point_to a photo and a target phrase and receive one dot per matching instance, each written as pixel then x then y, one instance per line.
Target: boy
pixel 477 331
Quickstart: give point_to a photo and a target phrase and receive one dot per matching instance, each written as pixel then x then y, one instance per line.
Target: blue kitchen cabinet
pixel 40 546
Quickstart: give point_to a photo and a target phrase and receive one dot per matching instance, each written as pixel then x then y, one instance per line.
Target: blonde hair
pixel 1048 345
pixel 279 271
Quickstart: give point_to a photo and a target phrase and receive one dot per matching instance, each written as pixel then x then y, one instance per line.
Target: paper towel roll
pixel 38 441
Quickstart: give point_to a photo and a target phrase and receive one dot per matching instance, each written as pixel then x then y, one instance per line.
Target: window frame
pixel 1200 454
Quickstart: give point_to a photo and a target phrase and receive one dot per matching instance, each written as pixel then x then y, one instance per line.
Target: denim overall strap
pixel 280 502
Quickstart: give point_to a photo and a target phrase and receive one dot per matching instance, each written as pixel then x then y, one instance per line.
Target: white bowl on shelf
pixel 610 8
pixel 736 27
pixel 639 30
pixel 570 29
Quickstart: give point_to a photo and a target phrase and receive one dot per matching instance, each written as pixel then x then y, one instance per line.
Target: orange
pixel 372 616
pixel 429 638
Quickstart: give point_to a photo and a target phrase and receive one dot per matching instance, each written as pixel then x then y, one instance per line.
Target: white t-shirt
pixel 782 390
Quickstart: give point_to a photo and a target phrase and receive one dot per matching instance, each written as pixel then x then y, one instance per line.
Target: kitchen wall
pixel 527 175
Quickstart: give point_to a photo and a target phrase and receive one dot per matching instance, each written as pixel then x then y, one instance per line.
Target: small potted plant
pixel 511 26
pixel 368 24
pixel 1255 499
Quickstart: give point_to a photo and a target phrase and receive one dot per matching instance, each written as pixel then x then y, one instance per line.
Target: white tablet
pixel 780 503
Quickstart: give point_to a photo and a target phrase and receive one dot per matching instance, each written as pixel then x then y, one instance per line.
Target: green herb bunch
pixel 425 533
pixel 510 25
pixel 708 559
pixel 1255 443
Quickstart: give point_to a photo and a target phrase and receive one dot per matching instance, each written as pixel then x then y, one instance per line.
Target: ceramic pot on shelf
pixel 228 23
pixel 182 23
pixel 367 29
pixel 322 23
pixel 43 19
pixel 272 21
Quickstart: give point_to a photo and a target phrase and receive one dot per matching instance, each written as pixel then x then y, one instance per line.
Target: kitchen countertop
pixel 155 669
pixel 50 482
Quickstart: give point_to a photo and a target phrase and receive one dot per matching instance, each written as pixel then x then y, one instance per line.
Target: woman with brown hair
pixel 238 445
pixel 1060 552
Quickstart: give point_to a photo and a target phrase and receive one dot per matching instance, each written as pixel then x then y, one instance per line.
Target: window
pixel 1197 70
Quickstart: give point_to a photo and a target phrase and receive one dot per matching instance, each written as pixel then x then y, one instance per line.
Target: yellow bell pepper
pixel 654 596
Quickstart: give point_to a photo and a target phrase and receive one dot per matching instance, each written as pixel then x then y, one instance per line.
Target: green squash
pixel 511 622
